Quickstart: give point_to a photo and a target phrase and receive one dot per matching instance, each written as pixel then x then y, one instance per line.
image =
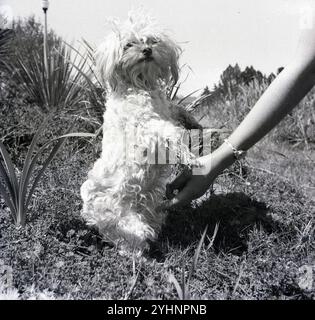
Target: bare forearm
pixel 286 91
pixel 280 98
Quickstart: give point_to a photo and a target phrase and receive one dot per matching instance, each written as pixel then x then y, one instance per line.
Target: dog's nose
pixel 147 52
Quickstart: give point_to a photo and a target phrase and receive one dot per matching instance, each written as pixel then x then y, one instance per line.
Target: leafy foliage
pixel 68 82
pixel 5 38
pixel 17 192
pixel 62 87
pixel 28 38
pixel 238 91
pixel 266 221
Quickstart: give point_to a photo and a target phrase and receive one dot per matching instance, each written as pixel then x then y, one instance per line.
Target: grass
pixel 259 216
pixel 18 191
pixel 182 287
pixel 14 190
pixel 266 234
pixel 297 129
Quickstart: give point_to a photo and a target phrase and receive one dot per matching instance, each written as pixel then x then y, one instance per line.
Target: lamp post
pixel 45 5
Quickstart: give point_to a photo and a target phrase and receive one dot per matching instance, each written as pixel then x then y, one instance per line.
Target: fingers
pixel 183 198
pixel 177 184
pixel 169 192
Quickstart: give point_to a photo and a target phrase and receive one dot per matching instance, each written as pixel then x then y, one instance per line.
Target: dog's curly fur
pixel 137 62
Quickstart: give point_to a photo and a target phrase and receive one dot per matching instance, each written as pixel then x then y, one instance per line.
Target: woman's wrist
pixel 219 160
pixel 225 155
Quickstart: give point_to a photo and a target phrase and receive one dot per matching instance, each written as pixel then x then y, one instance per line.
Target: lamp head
pixel 45 4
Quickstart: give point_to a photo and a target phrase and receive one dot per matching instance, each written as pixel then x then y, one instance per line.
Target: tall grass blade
pixel 61 140
pixel 197 102
pixel 89 74
pixel 187 96
pixel 44 166
pixel 177 286
pixel 185 288
pixel 7 182
pixel 62 86
pixel 8 201
pixel 26 172
pixel 216 228
pixel 9 174
pixel 197 253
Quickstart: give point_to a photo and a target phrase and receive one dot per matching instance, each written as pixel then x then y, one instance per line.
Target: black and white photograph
pixel 157 151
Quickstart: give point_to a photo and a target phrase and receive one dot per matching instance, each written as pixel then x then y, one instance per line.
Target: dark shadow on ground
pixel 236 214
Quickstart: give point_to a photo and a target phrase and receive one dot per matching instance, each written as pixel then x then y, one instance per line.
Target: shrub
pixel 17 192
pixel 28 38
pixel 67 84
pixel 62 86
pixel 5 38
pixel 296 128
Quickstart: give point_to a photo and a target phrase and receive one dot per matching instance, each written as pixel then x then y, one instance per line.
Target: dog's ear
pixel 186 119
pixel 174 71
pixel 107 57
pixel 174 53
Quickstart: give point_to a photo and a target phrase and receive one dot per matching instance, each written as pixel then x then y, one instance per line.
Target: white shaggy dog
pixel 137 62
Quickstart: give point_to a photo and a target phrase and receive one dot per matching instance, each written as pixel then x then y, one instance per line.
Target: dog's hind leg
pixel 135 231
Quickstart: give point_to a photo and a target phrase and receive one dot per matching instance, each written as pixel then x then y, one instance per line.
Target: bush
pixel 28 38
pixel 297 128
pixel 5 38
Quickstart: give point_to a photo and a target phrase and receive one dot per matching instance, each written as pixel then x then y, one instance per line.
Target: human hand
pixel 192 183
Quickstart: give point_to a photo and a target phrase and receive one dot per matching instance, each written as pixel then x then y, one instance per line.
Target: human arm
pixel 285 92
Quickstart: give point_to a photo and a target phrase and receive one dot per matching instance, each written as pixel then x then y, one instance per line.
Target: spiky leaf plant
pixel 60 86
pixel 5 37
pixel 17 191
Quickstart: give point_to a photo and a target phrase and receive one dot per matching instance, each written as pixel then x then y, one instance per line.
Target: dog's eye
pixel 128 45
pixel 155 41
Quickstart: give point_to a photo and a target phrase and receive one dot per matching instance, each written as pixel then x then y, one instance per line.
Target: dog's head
pixel 137 55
